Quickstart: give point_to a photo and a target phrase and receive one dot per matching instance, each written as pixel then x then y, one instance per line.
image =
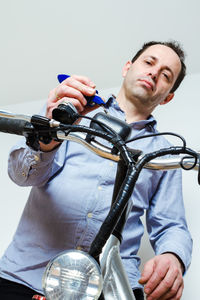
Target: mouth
pixel 147 83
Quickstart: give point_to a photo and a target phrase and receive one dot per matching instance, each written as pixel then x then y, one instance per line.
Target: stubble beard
pixel 140 95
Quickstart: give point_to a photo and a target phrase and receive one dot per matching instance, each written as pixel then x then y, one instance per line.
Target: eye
pixel 166 76
pixel 148 62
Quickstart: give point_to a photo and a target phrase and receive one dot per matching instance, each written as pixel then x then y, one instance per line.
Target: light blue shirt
pixel 71 196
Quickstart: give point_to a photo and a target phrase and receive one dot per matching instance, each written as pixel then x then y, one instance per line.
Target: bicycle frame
pixel 105 247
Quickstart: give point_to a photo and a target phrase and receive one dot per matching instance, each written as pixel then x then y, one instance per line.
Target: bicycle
pixel 90 279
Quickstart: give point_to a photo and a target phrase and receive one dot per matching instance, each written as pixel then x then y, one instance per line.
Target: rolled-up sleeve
pixel 27 167
pixel 166 223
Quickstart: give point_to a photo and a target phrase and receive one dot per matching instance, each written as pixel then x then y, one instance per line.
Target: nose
pixel 153 74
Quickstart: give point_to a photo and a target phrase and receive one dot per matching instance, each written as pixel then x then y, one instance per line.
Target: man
pixel 72 188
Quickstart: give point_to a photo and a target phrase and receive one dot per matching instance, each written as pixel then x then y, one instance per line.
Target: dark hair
pixel 174 45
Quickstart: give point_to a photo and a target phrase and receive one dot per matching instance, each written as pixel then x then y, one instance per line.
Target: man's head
pixel 152 76
pixel 175 46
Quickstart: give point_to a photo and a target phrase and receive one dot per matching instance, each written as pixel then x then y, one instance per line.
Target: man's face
pixel 151 77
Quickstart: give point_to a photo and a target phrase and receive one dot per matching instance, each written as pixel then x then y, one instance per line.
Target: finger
pixel 56 97
pixel 69 92
pixel 170 283
pixel 78 85
pixel 156 278
pixel 177 296
pixel 147 272
pixel 175 291
pixel 52 105
pixel 78 105
pixel 85 80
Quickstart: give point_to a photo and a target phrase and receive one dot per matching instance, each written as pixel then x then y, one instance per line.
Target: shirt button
pixel 111 163
pixel 23 174
pixel 78 248
pixel 89 215
pixel 36 157
pixel 99 188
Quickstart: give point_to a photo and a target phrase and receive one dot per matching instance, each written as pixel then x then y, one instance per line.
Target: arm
pixel 170 239
pixel 27 167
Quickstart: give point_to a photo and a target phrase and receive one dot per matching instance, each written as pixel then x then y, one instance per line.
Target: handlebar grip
pixel 13 126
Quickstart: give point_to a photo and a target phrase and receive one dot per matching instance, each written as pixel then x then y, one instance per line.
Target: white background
pixel 42 38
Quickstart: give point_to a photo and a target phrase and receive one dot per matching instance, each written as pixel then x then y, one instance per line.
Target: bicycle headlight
pixel 72 275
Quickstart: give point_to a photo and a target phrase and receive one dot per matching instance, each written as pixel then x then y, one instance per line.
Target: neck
pixel 132 108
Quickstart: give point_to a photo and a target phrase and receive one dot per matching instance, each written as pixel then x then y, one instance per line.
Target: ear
pixel 126 67
pixel 169 97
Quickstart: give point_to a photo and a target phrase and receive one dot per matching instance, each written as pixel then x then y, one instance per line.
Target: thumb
pixel 147 271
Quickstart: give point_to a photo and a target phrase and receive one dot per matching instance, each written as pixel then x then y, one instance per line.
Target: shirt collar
pixel 149 123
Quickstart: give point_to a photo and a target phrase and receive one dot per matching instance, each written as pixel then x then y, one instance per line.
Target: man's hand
pixel 72 89
pixel 162 277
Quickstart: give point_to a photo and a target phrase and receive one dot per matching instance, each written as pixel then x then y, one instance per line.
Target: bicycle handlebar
pixel 19 124
pixel 13 126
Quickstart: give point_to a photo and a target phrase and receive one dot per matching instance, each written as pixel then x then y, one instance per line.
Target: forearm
pixel 166 221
